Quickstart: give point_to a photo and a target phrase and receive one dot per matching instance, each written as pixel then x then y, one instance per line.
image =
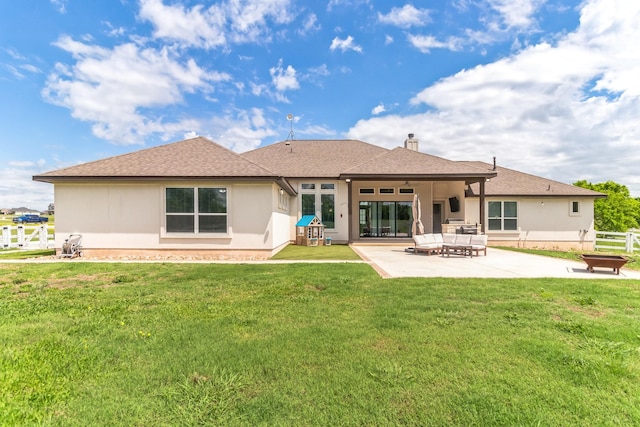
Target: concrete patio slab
pixel 395 261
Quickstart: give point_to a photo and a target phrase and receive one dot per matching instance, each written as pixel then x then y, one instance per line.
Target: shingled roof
pixel 191 158
pixel 509 182
pixel 313 158
pixel 405 163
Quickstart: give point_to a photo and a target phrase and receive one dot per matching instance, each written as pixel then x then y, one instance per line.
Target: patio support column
pixel 482 218
pixel 349 211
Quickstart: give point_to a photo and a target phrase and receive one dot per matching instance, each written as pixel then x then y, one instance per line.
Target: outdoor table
pixel 463 250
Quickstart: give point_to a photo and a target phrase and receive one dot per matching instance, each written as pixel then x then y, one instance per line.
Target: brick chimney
pixel 411 143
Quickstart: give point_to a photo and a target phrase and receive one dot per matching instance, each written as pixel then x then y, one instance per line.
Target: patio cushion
pixel 463 239
pixel 448 238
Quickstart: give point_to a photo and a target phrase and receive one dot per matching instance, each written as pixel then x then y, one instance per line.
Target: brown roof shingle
pixel 509 182
pixel 191 158
pixel 313 158
pixel 404 162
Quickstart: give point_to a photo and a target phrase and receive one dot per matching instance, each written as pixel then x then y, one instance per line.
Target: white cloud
pixel 320 70
pixel 17 189
pixel 378 109
pixel 344 45
pixel 388 39
pixel 31 68
pixel 284 78
pixel 425 43
pixel 516 13
pixel 310 25
pixel 231 21
pixel 405 17
pixel 61 5
pixel 566 111
pixel 242 130
pixel 110 87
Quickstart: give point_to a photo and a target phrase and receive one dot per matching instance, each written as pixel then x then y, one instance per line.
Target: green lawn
pixel 311 344
pixel 333 252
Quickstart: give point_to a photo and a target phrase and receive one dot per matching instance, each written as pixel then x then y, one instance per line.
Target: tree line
pixel 618 212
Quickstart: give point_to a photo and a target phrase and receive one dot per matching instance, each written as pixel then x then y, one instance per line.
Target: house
pixel 197 197
pixel 24 211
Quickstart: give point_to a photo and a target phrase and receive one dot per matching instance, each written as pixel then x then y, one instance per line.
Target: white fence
pixel 27 237
pixel 611 241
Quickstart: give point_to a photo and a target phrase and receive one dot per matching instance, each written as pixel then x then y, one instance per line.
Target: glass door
pixel 385 219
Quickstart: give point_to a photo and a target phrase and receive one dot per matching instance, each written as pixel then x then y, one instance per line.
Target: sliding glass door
pixel 385 219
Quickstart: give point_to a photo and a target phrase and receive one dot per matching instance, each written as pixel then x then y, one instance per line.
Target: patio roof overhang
pixel 467 178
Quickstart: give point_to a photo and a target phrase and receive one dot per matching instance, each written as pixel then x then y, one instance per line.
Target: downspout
pixel 349 211
pixel 482 218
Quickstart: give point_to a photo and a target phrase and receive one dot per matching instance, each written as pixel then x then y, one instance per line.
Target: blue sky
pixel 550 87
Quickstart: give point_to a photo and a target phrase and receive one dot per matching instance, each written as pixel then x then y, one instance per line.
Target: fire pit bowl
pixel 605 261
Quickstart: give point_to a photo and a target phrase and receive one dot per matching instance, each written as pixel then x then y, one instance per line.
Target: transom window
pixel 196 210
pixel 503 216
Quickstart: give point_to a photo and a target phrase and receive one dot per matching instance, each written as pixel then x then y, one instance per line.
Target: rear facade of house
pixel 197 198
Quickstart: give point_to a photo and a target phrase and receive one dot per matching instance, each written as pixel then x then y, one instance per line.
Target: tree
pixel 618 212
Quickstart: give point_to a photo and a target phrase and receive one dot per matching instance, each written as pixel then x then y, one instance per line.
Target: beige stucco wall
pixel 544 223
pixel 131 216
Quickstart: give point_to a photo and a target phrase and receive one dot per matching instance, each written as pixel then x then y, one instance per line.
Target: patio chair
pixel 479 243
pixel 71 247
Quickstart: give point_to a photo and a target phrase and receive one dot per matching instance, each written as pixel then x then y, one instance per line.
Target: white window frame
pixel 502 217
pixel 195 234
pixel 316 189
pixel 572 203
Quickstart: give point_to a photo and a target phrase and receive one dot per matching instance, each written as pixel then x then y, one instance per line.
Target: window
pixel 308 204
pixel 328 210
pixel 405 190
pixel 367 191
pixel 387 191
pixel 503 216
pixel 196 210
pixel 320 200
pixel 574 208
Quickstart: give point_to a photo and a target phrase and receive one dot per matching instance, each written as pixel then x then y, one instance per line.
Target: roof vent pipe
pixel 411 143
pixel 494 162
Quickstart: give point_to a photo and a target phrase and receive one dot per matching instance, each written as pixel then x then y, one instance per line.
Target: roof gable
pixel 191 158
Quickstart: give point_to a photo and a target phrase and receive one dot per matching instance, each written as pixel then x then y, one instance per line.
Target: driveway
pixel 395 261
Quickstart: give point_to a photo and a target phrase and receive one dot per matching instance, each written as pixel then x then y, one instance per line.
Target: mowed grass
pixel 332 252
pixel 311 344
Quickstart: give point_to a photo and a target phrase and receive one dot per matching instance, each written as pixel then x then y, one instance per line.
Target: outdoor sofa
pixel 434 243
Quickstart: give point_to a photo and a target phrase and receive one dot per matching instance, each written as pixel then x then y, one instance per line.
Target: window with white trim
pixel 574 208
pixel 503 216
pixel 319 200
pixel 196 210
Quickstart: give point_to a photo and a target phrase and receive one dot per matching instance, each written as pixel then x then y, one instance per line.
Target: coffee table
pixel 463 250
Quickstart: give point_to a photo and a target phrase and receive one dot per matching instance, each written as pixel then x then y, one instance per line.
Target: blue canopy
pixel 308 220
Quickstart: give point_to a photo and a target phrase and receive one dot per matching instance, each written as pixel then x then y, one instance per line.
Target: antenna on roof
pixel 290 118
pixel 290 137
